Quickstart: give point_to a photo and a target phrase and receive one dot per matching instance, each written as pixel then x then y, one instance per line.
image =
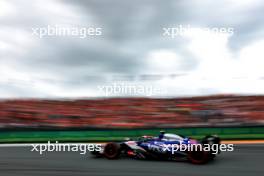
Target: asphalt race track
pixel 20 161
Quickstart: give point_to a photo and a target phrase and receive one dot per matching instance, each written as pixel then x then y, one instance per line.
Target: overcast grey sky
pixel 132 49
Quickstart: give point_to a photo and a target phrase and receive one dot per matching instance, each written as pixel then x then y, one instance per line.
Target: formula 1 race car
pixel 164 147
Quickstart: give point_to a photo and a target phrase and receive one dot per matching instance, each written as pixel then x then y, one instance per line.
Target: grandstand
pixel 224 110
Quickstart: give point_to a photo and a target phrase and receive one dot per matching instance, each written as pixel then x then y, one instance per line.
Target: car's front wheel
pixel 112 151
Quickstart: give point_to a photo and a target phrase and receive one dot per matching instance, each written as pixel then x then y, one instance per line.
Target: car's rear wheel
pixel 112 151
pixel 198 157
pixel 212 140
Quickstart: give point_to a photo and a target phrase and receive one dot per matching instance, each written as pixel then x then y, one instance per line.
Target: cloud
pixel 132 45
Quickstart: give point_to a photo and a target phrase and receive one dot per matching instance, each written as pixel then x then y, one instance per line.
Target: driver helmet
pixel 161 135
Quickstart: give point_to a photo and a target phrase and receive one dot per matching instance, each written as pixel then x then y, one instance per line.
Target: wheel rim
pixel 111 150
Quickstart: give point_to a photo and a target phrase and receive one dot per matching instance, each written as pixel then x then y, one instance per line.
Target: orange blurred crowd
pixel 221 110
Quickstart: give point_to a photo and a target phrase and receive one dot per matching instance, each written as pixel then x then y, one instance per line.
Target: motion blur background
pixel 210 82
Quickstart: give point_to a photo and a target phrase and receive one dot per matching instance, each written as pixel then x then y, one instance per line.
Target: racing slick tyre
pixel 112 151
pixel 198 157
pixel 211 140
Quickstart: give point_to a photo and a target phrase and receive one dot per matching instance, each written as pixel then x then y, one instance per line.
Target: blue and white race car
pixel 164 147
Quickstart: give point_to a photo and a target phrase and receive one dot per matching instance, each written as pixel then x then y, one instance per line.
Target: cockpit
pixel 171 137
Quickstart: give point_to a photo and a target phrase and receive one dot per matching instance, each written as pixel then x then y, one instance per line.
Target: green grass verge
pixel 115 135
